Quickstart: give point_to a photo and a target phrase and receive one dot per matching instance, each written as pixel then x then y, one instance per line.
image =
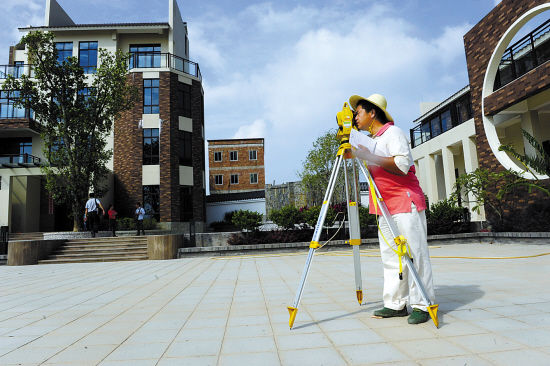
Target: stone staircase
pixel 26 236
pixel 100 249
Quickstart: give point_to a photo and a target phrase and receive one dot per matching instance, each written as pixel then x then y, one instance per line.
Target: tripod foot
pixel 359 294
pixel 292 311
pixel 432 310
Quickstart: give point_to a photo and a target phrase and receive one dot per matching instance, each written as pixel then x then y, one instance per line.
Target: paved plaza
pixel 232 311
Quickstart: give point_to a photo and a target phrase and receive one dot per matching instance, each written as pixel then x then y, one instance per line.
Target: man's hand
pixel 363 153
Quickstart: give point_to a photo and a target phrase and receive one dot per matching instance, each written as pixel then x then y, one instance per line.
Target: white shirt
pixel 92 205
pixel 140 212
pixel 393 142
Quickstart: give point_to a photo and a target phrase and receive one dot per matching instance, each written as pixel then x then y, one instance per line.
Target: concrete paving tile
pixel 246 331
pixel 336 325
pixel 193 348
pixel 264 359
pixel 530 337
pixel 519 357
pixel 318 356
pixel 188 361
pixel 407 332
pixel 14 342
pixel 501 324
pixel 188 334
pixel 354 337
pixel 480 343
pixel 82 355
pixel 535 320
pixel 376 352
pixel 29 354
pixel 473 314
pixel 198 322
pixel 137 351
pixel 429 348
pixel 311 340
pixel 456 361
pixel 248 345
pixel 151 362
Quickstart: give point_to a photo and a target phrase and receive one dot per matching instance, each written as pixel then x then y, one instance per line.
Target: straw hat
pixel 376 99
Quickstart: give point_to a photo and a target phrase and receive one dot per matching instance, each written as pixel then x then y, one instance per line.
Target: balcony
pixel 15 70
pixel 524 55
pixel 142 60
pixel 19 161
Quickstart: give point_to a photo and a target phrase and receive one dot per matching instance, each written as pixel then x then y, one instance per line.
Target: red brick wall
pixel 243 166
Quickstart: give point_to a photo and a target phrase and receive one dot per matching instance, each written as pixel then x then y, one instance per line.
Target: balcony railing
pixel 8 111
pixel 524 55
pixel 15 70
pixel 19 160
pixel 142 60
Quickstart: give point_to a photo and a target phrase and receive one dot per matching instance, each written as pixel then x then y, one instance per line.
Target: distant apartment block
pixel 236 165
pixel 158 145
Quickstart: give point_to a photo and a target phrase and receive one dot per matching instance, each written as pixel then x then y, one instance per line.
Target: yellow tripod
pixel 345 119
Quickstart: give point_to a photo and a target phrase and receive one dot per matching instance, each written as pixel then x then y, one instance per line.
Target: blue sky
pixel 282 69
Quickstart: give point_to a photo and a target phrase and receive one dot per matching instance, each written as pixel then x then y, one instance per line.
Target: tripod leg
pixel 432 308
pixel 292 310
pixel 354 233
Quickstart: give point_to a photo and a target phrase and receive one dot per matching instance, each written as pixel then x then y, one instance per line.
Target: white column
pixel 530 122
pixel 431 179
pixel 448 170
pixel 471 164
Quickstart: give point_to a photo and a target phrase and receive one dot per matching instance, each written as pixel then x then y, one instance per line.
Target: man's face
pixel 363 119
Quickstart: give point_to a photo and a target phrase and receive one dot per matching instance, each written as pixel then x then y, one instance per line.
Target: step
pixel 105 246
pixel 106 240
pixel 97 252
pixel 96 255
pixel 91 260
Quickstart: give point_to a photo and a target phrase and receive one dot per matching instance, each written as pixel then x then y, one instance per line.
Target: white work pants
pixel 412 225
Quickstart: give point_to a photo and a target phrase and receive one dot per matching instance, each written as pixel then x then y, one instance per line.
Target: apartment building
pixel 236 165
pixel 158 145
pixel 509 90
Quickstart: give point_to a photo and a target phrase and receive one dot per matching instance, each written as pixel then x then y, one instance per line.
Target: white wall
pixel 215 211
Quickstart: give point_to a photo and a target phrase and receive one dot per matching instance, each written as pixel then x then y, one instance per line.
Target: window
pixel 218 179
pixel 151 146
pixel 234 179
pixel 87 56
pixel 253 178
pixel 151 201
pixel 186 199
pixel 186 148
pixel 25 149
pixel 436 127
pixel 217 156
pixel 184 99
pixel 253 155
pixel 18 69
pixel 86 93
pixel 144 56
pixel 64 51
pixel 150 96
pixel 233 156
pixel 7 108
pixel 446 123
pixel 464 109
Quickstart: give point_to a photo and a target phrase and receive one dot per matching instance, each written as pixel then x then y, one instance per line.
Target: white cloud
pixel 254 130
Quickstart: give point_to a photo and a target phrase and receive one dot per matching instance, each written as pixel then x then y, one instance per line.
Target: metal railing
pixel 15 70
pixel 147 60
pixel 19 159
pixel 529 52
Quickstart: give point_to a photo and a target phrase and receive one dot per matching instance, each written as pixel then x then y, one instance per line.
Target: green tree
pixel 317 167
pixel 76 116
pixel 287 217
pixel 247 220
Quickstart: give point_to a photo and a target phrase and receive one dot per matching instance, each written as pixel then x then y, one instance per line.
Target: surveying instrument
pixel 344 119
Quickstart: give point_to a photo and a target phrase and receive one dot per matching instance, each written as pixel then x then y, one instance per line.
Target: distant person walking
pixel 92 213
pixel 139 215
pixel 112 219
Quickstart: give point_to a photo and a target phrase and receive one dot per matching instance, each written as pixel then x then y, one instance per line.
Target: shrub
pixel 446 217
pixel 287 217
pixel 128 223
pixel 247 220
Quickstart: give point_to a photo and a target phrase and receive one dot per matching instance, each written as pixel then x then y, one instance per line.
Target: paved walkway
pixel 232 311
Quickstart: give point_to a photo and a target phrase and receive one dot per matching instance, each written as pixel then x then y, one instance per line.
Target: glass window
pixel 436 127
pixel 464 109
pixel 64 51
pixel 253 178
pixel 151 146
pixel 446 123
pixel 253 155
pixel 145 56
pixel 151 201
pixel 184 96
pixel 233 156
pixel 186 148
pixel 186 199
pixel 218 179
pixel 234 179
pixel 217 156
pixel 18 69
pixel 87 56
pixel 150 96
pixel 7 108
pixel 425 131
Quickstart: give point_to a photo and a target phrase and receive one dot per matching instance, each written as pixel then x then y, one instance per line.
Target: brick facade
pixel 480 43
pixel 243 167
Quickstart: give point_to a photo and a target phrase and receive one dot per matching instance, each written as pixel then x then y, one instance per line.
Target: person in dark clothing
pixel 139 216
pixel 92 213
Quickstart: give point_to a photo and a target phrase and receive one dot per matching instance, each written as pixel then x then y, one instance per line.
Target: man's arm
pixel 388 163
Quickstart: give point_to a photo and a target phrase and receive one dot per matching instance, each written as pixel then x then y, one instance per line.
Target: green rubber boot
pixel 418 316
pixel 390 313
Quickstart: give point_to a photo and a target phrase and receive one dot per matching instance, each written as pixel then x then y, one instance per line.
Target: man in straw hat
pixel 391 166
